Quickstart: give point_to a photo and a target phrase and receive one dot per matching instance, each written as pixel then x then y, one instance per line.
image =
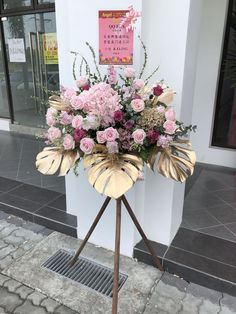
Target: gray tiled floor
pixel 17 162
pixel 210 202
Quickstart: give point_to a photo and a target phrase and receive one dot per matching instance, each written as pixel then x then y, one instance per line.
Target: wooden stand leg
pixel 98 217
pixel 156 260
pixel 116 258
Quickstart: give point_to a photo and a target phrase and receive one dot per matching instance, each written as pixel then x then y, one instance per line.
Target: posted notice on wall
pixel 16 49
pixel 115 43
pixel 50 48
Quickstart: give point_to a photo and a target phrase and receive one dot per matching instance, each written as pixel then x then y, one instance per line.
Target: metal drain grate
pixel 84 271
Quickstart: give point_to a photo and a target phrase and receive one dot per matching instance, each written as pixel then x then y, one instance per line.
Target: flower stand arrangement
pixel 116 124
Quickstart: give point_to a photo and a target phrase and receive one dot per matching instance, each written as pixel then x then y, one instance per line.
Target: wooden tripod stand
pixel 156 260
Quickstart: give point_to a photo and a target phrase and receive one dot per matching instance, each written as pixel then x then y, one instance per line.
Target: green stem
pixel 94 60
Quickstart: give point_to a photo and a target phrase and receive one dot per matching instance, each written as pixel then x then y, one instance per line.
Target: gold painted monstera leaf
pixel 175 162
pixel 58 103
pixel 52 159
pixel 112 174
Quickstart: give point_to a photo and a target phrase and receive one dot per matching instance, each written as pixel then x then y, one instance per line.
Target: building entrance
pixel 30 45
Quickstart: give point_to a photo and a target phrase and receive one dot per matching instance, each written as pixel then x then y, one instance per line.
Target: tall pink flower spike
pixel 130 19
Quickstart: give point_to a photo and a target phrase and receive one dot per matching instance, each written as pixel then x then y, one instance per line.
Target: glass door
pixel 33 64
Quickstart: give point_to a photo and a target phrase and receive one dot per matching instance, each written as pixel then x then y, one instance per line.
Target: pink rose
pixel 69 93
pixel 137 105
pixel 111 134
pixel 112 147
pixel 169 126
pixel 51 116
pixel 53 133
pixel 87 145
pixel 170 115
pixel 138 84
pixel 68 142
pixel 129 72
pixel 82 81
pixel 101 137
pixel 77 122
pixel 65 118
pixel 77 103
pixel 79 134
pixel 164 140
pixel 139 135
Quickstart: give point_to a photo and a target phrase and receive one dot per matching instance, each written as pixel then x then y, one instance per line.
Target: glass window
pixel 4 109
pixel 15 4
pixel 45 1
pixel 224 130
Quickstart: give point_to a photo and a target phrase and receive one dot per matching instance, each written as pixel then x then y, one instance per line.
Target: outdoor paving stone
pixel 14 240
pixel 6 230
pixel 203 292
pixel 3 215
pixel 229 301
pixel 2 311
pixel 9 301
pixel 191 304
pixel 12 285
pixel 6 261
pixel 29 308
pixel 3 279
pixel 2 244
pixel 23 291
pixel 208 307
pixel 6 251
pixel 36 297
pixel 50 305
pixel 28 234
pixel 64 310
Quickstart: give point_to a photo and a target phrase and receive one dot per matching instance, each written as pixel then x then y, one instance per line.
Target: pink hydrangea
pixel 87 145
pixel 69 93
pixel 169 126
pixel 77 122
pixel 112 147
pixel 111 134
pixel 101 101
pixel 139 136
pixel 68 142
pixel 53 133
pixel 65 118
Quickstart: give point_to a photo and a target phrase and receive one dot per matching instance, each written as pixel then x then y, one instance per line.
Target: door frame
pixel 33 9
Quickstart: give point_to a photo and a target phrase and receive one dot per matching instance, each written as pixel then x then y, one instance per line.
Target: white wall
pixel 209 57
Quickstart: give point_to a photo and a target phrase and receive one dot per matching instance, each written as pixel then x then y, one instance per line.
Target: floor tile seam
pixel 47 204
pixel 56 221
pixel 16 187
pixel 220 222
pixel 18 208
pixel 200 231
pixel 60 210
pixel 230 230
pixel 140 250
pixel 200 271
pixel 20 158
pixel 203 256
pixel 17 196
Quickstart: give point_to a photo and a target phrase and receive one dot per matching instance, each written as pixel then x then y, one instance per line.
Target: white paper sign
pixel 16 49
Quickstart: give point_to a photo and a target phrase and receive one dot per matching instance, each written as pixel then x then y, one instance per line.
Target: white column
pixel 166 30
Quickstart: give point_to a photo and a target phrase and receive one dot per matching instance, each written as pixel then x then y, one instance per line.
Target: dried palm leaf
pixel 178 165
pixel 58 103
pixel 112 174
pixel 52 159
